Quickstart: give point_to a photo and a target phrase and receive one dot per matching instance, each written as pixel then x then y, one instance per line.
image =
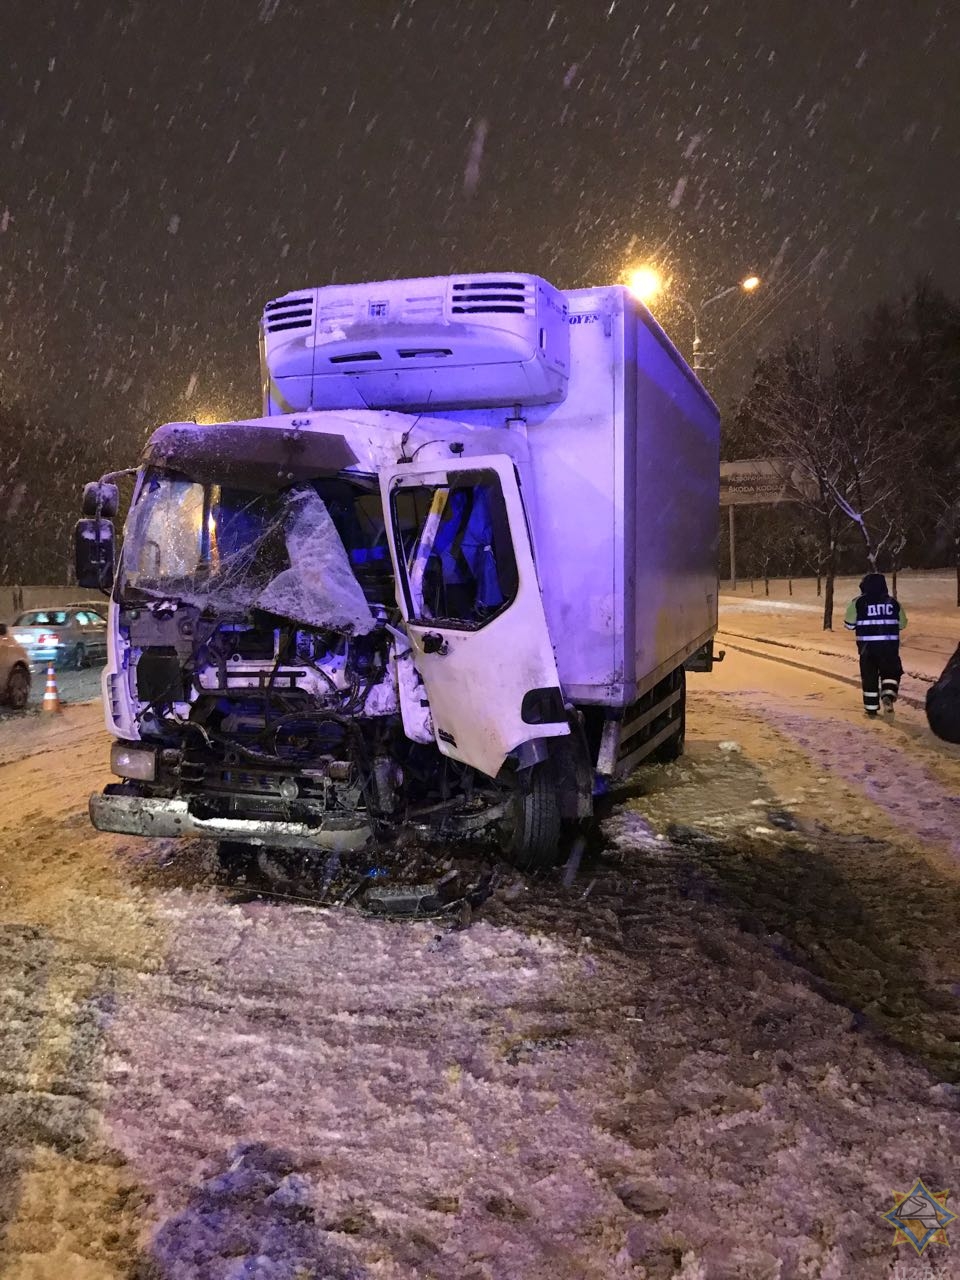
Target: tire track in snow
pixel 889 776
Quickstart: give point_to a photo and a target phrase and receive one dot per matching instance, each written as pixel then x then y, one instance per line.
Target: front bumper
pixel 153 816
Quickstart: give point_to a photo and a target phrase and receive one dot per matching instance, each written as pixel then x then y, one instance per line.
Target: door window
pixel 46 618
pixel 457 554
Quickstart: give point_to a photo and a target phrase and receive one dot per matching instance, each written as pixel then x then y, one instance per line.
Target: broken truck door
pixel 469 594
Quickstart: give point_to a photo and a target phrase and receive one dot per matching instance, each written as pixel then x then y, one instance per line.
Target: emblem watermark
pixel 920 1217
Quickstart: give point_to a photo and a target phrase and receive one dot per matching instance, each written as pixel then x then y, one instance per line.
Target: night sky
pixel 166 166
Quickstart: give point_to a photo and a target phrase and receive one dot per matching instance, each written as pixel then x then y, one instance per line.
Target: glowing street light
pixel 748 285
pixel 645 283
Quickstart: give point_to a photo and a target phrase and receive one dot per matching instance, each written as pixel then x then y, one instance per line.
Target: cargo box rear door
pixel 469 593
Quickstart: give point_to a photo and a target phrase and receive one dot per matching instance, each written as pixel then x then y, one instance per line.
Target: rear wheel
pixel 530 833
pixel 18 689
pixel 79 659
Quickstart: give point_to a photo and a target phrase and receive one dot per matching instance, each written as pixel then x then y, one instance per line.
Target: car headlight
pixel 133 761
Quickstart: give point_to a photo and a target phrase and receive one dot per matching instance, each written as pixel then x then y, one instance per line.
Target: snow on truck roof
pixel 283 449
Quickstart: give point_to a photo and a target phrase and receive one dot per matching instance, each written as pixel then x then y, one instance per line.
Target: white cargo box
pixel 438 342
pixel 625 509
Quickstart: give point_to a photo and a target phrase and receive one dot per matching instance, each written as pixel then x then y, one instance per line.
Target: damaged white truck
pixel 447 583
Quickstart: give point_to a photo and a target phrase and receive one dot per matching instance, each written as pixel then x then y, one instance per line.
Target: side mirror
pixel 100 499
pixel 93 553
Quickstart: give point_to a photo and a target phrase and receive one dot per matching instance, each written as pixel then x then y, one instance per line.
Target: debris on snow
pixel 699 1090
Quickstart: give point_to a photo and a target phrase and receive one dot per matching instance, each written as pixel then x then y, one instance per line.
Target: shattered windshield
pixel 316 552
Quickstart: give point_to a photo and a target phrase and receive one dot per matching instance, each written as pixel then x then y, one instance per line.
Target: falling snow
pixel 677 194
pixel 471 174
pixel 717 1056
pixel 150 209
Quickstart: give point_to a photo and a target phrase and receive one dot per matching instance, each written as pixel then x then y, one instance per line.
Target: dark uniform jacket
pixel 875 616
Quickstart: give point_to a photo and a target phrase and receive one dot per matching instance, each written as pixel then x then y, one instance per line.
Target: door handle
pixel 434 643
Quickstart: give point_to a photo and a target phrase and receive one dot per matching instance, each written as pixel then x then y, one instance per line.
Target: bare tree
pixel 873 431
pixel 912 351
pixel 861 458
pixel 806 417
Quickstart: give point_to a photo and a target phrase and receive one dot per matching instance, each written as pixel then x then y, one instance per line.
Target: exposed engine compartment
pixel 261 718
pixel 262 706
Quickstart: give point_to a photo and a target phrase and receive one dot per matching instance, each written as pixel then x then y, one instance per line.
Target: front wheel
pixel 530 833
pixel 18 689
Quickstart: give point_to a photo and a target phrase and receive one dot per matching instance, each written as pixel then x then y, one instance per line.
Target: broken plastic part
pixel 403 900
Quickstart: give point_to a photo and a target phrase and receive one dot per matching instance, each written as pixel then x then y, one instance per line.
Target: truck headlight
pixel 133 761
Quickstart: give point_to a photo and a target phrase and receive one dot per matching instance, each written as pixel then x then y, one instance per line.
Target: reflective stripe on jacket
pixel 875 619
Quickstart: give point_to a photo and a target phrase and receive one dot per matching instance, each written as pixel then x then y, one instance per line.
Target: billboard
pixel 752 481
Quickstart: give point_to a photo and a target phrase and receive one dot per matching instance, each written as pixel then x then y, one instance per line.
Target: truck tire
pixel 530 835
pixel 672 749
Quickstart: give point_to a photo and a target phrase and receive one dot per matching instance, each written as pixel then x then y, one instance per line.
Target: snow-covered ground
pixel 792 616
pixel 715 1056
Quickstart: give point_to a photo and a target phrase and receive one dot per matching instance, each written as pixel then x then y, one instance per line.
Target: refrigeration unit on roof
pixel 440 342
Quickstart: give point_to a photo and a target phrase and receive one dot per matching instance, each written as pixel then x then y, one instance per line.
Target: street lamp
pixel 747 285
pixel 645 283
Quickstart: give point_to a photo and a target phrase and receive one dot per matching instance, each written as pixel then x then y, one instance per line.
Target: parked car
pixel 14 671
pixel 68 637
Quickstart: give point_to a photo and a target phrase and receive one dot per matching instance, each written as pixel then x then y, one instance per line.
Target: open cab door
pixel 469 594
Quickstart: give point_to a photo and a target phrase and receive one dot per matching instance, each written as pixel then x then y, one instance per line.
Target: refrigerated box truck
pixel 452 577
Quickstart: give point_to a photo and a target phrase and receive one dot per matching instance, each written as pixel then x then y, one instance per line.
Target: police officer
pixel 878 619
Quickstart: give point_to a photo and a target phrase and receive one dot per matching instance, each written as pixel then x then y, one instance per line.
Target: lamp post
pixel 645 283
pixel 747 285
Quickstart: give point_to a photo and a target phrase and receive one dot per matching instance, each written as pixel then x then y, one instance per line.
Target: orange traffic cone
pixel 51 698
